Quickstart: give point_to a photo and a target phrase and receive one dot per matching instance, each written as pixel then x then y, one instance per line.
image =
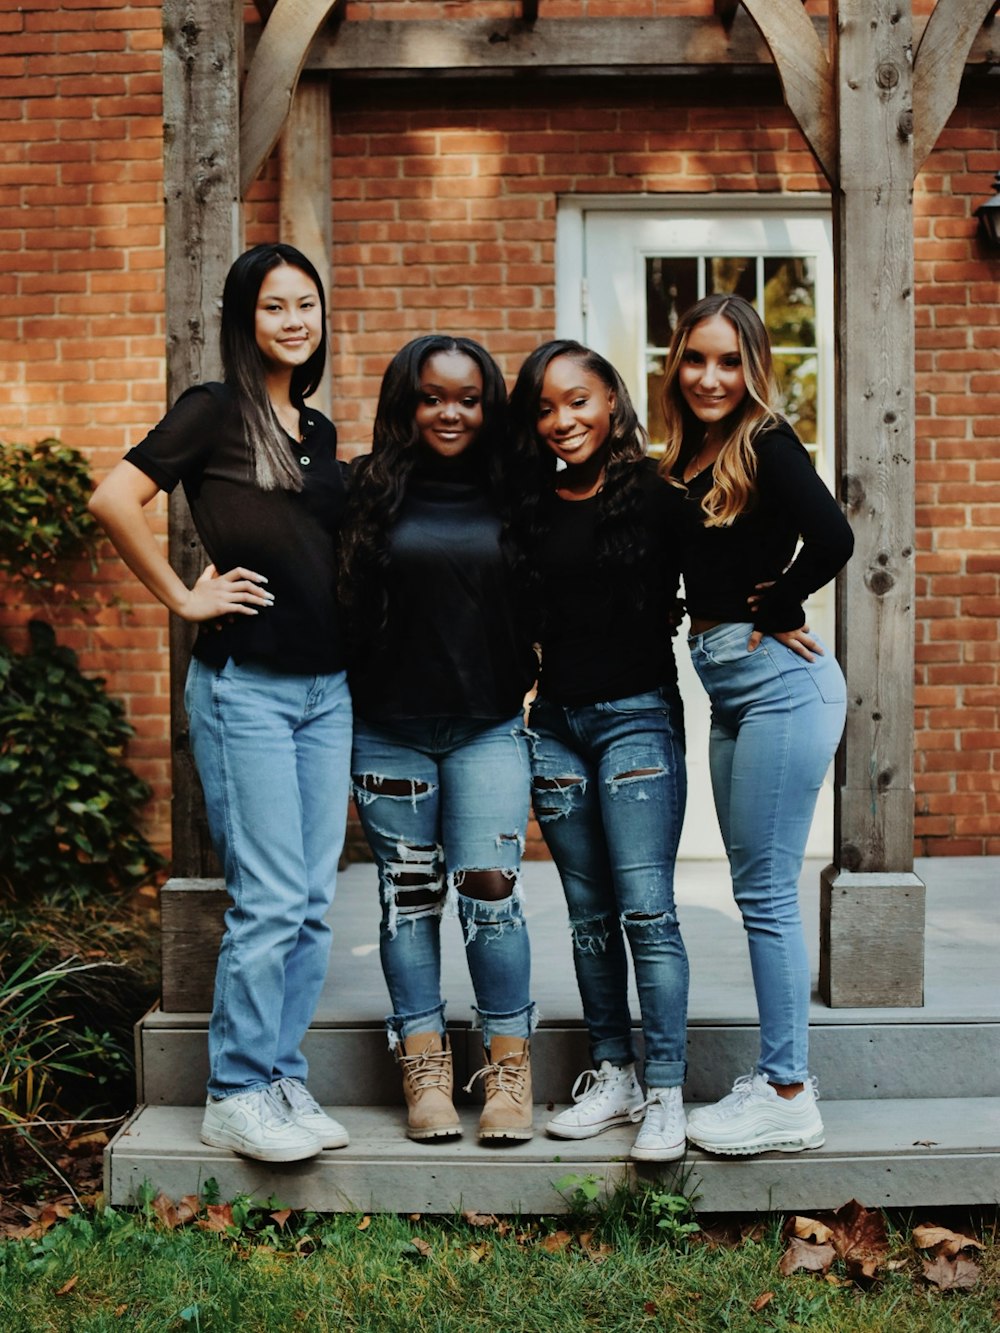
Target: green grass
pixel 610 1271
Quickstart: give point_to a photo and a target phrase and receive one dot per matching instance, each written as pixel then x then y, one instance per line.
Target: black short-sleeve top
pixel 723 565
pixel 288 536
pixel 601 639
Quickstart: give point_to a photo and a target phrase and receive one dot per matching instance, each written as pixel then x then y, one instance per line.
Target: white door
pixel 625 269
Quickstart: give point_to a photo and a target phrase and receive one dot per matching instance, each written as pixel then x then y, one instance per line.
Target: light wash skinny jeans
pixel 776 723
pixel 273 753
pixel 613 831
pixel 438 798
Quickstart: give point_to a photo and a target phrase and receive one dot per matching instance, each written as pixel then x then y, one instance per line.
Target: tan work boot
pixel 425 1060
pixel 507 1076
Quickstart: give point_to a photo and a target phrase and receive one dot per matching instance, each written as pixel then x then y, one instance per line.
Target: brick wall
pixel 444 204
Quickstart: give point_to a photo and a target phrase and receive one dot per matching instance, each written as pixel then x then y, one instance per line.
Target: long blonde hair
pixel 734 473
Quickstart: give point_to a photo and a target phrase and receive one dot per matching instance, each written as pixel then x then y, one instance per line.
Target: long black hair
pixel 621 539
pixel 379 479
pixel 272 461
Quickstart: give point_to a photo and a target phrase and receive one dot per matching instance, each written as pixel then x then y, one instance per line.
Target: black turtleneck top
pixel 453 646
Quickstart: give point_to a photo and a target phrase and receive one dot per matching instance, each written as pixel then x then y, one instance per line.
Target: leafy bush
pixel 67 799
pixel 44 522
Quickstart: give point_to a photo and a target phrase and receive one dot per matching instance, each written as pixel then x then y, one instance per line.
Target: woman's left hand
pixel 798 640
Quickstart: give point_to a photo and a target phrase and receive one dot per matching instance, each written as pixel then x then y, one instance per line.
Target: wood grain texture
pixel 938 67
pixel 201 67
pixel 872 927
pixel 272 77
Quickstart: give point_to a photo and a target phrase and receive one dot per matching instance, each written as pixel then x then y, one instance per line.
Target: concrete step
pixel 888 1152
pixel 350 1065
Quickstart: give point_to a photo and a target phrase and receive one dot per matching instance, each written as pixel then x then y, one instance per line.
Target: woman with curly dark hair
pixel 440 666
pixel 606 730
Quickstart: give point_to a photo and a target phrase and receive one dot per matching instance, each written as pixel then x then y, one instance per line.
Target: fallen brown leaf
pixel 859 1232
pixel 281 1217
pixel 422 1247
pixel 67 1287
pixel 803 1254
pixel 218 1217
pixel 958 1274
pixel 477 1253
pixel 556 1241
pixel 809 1228
pixel 479 1219
pixel 188 1208
pixel 943 1241
pixel 765 1298
pixel 596 1251
pixel 166 1211
pixel 365 1223
pixel 120 1310
pixel 650 1307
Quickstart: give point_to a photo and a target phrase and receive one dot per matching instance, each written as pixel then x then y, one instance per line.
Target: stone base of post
pixel 871 952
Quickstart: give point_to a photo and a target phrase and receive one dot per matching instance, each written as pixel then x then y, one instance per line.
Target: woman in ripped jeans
pixel 439 669
pixel 606 730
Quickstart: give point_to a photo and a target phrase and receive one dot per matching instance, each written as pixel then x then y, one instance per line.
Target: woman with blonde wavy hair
pixel 747 496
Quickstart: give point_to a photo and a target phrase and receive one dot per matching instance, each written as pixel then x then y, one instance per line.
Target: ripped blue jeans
pixel 444 804
pixel 609 791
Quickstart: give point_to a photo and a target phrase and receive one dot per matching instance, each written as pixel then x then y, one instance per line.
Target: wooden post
pixel 202 42
pixel 305 217
pixel 872 905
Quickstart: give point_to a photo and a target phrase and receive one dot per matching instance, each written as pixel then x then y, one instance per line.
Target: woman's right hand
pixel 237 592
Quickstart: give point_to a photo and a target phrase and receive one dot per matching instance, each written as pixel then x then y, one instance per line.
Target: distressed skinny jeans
pixel 609 790
pixel 441 799
pixel 273 753
pixel 776 723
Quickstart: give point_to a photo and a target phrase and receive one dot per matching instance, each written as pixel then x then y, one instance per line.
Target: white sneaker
pixel 257 1124
pixel 306 1111
pixel 603 1098
pixel 662 1137
pixel 753 1118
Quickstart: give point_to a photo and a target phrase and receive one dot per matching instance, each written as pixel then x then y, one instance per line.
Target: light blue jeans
pixel 441 800
pixel 776 723
pixel 609 792
pixel 273 753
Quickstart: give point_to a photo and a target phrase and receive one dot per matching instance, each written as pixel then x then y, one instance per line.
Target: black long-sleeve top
pixel 723 565
pixel 600 641
pixel 454 645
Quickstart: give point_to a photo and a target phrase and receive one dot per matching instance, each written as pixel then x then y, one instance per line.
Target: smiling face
pixel 574 411
pixel 710 376
pixel 449 412
pixel 288 319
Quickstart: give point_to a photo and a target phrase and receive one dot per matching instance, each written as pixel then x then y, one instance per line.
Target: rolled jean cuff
pixel 400 1026
pixel 520 1023
pixel 664 1073
pixel 618 1051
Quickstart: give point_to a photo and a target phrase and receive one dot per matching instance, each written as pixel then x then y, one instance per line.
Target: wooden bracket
pixel 938 67
pixel 805 72
pixel 272 79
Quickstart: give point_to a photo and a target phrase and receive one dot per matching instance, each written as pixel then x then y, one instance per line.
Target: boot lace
pixel 426 1069
pixel 503 1077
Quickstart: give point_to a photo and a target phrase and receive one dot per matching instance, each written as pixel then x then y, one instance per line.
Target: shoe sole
pixel 657 1154
pixel 511 1135
pixel 425 1135
pixel 264 1155
pixel 585 1131
pixel 752 1149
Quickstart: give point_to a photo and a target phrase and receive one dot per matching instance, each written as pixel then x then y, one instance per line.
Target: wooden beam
pixel 201 66
pixel 305 219
pixel 805 73
pixel 271 79
pixel 873 266
pixel 939 65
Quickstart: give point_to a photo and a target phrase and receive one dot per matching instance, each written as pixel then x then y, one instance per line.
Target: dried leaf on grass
pixel 479 1219
pixel 218 1217
pixel 596 1251
pixel 958 1274
pixel 764 1299
pixel 417 1249
pixel 477 1253
pixel 943 1241
pixel 804 1254
pixel 67 1287
pixel 365 1223
pixel 809 1228
pixel 556 1242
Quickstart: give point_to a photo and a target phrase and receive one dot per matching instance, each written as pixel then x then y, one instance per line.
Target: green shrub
pixel 67 799
pixel 44 522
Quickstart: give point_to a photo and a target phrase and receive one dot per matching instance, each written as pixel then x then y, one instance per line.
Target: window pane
pixel 732 276
pixel 671 286
pixel 797 377
pixel 790 302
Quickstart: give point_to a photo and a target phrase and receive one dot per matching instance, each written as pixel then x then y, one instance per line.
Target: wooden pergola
pixel 871 91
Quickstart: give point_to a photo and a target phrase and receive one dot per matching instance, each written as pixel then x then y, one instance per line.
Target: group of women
pixel 480 548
